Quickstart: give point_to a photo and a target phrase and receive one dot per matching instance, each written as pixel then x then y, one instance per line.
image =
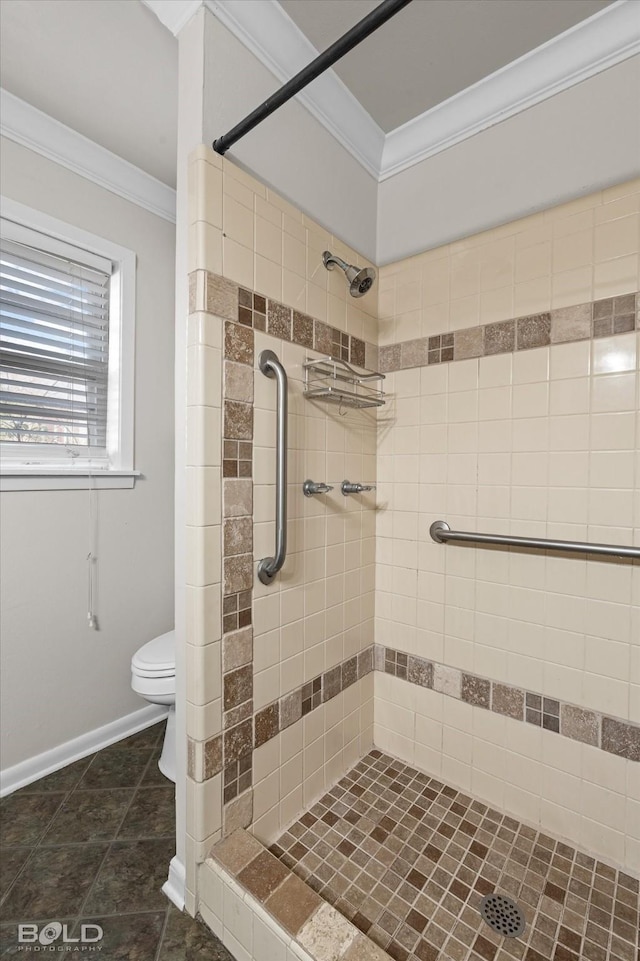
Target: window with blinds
pixel 54 343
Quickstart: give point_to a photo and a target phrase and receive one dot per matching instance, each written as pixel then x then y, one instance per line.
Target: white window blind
pixel 54 344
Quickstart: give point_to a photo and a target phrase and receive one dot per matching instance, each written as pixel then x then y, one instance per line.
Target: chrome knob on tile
pixel 309 488
pixel 347 487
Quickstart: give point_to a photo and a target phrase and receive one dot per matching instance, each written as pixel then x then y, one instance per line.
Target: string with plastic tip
pixel 92 619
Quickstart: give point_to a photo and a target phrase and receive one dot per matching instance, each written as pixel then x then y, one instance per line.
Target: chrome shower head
pixel 360 278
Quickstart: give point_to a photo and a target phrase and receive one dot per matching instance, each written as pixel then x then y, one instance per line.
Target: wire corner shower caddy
pixel 337 382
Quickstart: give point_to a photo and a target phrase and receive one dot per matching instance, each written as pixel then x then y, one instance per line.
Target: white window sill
pixel 43 478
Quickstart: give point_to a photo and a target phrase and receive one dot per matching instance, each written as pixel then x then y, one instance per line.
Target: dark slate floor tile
pixel 12 861
pixel 187 939
pixel 9 937
pixel 153 774
pixel 151 815
pixel 54 882
pixel 144 739
pixel 132 877
pixel 129 937
pixel 116 767
pixel 89 816
pixel 25 817
pixel 63 780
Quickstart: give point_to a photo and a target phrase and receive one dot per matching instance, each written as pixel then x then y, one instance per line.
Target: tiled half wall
pixel 257 281
pixel 319 612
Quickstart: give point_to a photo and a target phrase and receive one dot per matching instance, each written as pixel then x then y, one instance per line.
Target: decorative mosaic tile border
pixel 284 712
pixel 601 318
pixel 216 295
pixel 237 567
pixel 288 324
pixel 322 932
pixel 611 734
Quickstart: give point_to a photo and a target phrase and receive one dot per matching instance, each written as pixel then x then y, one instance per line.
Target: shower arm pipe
pixel 268 567
pixel 441 532
pixel 351 39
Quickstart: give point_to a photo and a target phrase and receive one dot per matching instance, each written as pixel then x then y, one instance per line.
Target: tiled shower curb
pixel 294 913
pixel 242 311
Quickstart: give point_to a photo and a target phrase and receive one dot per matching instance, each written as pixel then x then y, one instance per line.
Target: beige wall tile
pixel 237 262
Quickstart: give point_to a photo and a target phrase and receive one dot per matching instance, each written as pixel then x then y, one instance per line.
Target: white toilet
pixel 153 676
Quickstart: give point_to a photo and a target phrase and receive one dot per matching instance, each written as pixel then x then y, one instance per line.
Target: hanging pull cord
pixel 92 619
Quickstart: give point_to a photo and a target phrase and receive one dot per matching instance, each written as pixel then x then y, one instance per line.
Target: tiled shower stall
pixel 511 679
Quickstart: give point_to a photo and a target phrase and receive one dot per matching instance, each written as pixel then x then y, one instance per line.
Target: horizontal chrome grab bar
pixel 441 532
pixel 268 567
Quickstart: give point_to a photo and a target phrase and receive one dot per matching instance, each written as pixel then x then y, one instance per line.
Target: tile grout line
pixel 163 932
pixel 75 790
pixel 114 839
pixel 38 844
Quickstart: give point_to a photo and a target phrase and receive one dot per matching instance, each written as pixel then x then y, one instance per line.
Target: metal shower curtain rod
pixel 351 39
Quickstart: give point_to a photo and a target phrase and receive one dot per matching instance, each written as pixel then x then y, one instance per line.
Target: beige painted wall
pixel 59 679
pixel 117 46
pixel 581 140
pixel 540 442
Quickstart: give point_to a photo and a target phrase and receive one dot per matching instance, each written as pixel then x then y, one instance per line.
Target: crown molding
pixel 605 39
pixel 594 45
pixel 173 14
pixel 30 127
pixel 272 36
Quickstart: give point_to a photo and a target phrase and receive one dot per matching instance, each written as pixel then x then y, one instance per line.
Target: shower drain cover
pixel 503 915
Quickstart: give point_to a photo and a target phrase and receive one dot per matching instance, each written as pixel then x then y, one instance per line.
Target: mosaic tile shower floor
pixel 408 860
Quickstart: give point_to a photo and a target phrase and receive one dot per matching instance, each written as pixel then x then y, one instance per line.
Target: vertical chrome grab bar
pixel 268 567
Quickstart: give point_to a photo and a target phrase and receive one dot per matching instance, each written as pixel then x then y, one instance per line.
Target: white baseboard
pixel 174 886
pixel 13 778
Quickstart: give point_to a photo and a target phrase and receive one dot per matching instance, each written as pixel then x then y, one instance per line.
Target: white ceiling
pixel 432 49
